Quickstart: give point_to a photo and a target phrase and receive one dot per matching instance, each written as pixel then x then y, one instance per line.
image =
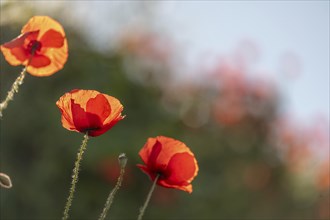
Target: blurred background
pixel 244 84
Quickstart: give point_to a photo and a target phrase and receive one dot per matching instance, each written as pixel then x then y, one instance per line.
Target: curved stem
pixel 142 210
pixel 112 194
pixel 14 89
pixel 75 177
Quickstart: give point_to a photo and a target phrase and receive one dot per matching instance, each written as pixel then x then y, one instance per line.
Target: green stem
pixel 142 210
pixel 112 194
pixel 14 89
pixel 75 177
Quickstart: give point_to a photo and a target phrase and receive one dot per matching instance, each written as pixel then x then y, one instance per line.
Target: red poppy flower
pixel 89 111
pixel 172 160
pixel 42 47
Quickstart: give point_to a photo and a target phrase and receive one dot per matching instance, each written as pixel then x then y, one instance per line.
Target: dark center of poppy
pixel 162 172
pixel 88 130
pixel 92 129
pixel 34 46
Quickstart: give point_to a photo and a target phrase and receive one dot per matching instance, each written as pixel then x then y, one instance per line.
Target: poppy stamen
pixel 34 46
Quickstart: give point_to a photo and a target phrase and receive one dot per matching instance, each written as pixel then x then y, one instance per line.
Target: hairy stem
pixel 75 177
pixel 142 210
pixel 14 89
pixel 112 194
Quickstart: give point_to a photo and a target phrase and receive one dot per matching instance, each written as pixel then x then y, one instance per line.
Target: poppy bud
pixel 122 160
pixel 5 181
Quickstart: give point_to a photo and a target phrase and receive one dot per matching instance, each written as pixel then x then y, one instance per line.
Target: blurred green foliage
pixel 240 176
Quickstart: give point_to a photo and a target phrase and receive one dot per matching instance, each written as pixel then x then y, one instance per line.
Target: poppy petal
pixel 31 36
pixel 82 120
pixel 17 42
pixel 20 54
pixel 172 160
pixel 38 61
pixel 100 106
pixel 42 24
pixel 104 128
pixel 67 121
pixel 116 109
pixel 146 150
pixel 79 117
pixel 52 38
pixel 66 115
pixel 85 110
pixel 186 188
pixel 171 147
pixel 178 175
pixel 81 96
pixel 14 51
pixel 58 55
pixel 152 163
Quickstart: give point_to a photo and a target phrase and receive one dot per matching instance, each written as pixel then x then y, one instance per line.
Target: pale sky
pixel 277 27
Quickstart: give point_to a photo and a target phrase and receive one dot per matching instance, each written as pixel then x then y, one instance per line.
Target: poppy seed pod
pixel 122 159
